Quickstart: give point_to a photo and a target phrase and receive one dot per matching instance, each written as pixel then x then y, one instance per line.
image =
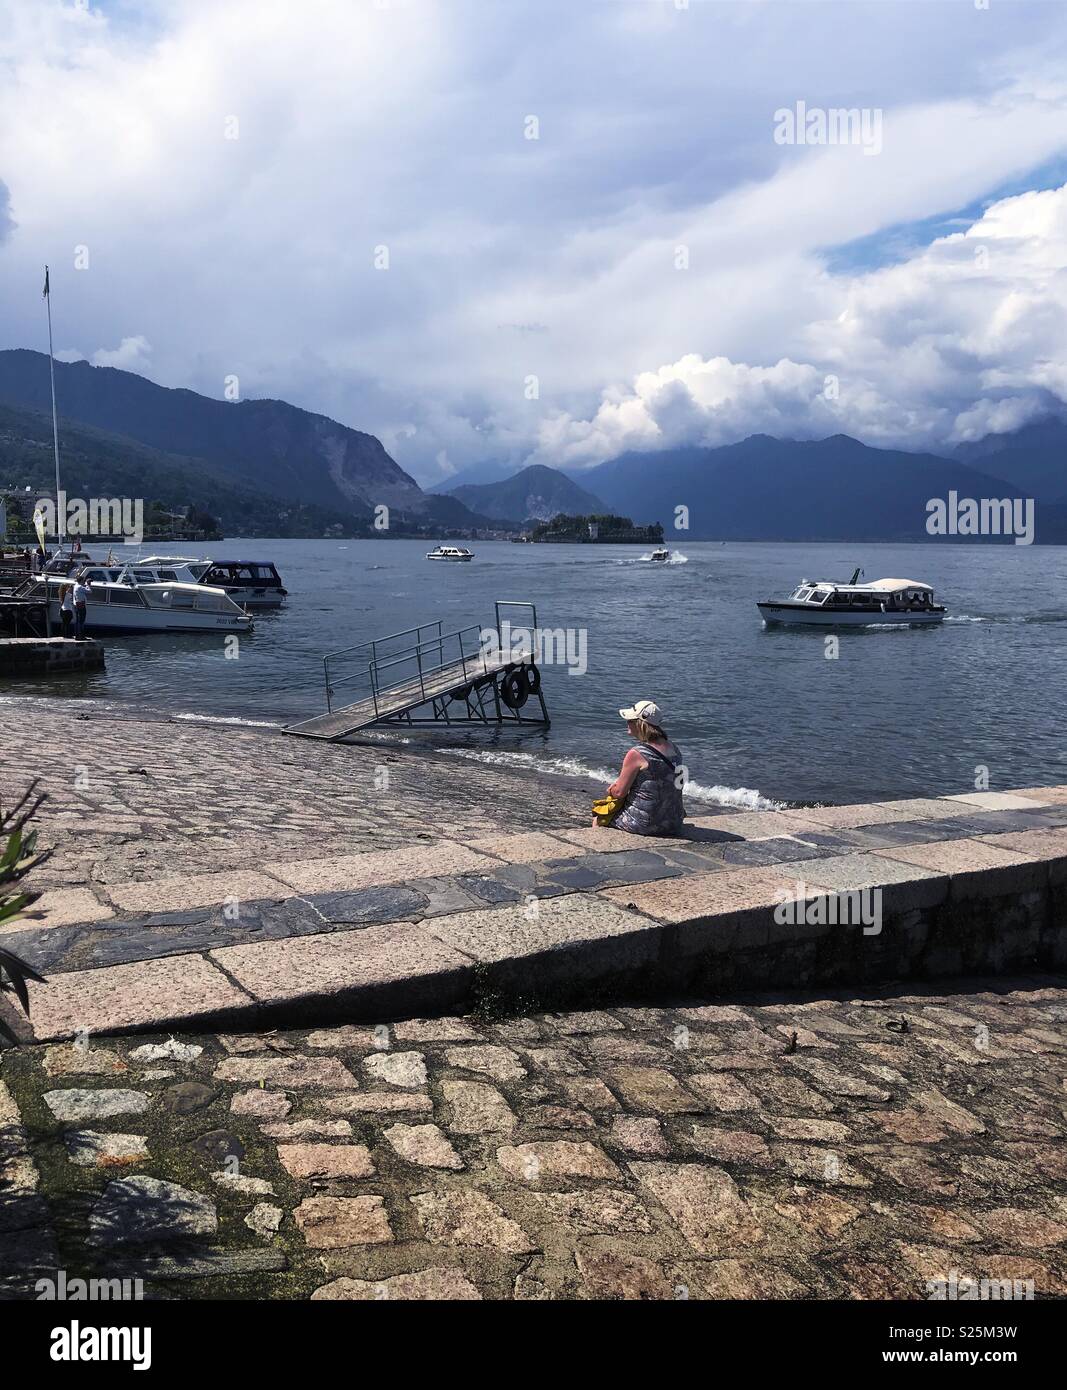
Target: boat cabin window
pixel 818 595
pixel 241 574
pixel 130 597
pixel 213 603
pixel 167 574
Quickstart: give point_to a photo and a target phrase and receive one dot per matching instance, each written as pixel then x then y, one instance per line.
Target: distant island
pixel 596 530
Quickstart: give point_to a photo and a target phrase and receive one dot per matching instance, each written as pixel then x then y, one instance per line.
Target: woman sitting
pixel 651 777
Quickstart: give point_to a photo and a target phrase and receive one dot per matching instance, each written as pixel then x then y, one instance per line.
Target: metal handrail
pixel 416 648
pixel 377 641
pixel 515 603
pixel 414 652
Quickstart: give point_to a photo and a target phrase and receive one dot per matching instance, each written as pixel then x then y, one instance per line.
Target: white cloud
pixel 402 125
pixel 965 338
pixel 7 223
pixel 132 355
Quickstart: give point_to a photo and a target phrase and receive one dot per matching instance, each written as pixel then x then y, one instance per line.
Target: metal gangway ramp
pixel 424 675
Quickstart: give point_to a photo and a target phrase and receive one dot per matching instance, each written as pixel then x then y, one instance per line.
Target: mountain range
pixel 252 463
pixel 838 488
pixel 266 467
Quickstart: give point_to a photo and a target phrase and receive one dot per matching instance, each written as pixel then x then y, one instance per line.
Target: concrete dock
pixel 550 1063
pixel 48 656
pixel 936 887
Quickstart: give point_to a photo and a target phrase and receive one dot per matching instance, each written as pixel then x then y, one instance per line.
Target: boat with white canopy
pixel 829 603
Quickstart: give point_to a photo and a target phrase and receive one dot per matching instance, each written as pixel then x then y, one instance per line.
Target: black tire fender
pixel 513 688
pixel 533 678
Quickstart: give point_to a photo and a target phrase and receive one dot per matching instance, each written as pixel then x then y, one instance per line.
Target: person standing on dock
pixel 81 598
pixel 66 609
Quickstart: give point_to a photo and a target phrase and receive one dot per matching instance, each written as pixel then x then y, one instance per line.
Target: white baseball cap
pixel 647 710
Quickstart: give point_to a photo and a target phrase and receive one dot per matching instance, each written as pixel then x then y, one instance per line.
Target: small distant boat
pixel 828 603
pixel 661 556
pixel 450 552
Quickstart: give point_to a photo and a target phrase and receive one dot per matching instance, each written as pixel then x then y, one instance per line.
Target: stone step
pixel 891 890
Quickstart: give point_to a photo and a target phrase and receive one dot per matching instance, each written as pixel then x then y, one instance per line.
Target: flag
pixel 45 296
pixel 39 523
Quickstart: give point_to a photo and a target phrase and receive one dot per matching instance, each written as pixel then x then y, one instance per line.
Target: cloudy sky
pixel 600 231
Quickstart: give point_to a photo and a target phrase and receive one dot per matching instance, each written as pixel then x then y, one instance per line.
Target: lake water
pixel 762 715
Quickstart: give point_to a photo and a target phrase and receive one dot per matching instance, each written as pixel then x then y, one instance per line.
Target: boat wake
pixel 1008 618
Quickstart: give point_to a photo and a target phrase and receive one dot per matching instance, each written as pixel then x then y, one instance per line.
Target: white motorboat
pixel 827 603
pixel 661 556
pixel 251 584
pixel 128 605
pixel 450 552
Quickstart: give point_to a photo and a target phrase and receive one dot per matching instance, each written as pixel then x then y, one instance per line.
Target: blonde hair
pixel 649 733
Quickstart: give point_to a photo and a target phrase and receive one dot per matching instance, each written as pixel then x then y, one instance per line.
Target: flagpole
pixel 55 427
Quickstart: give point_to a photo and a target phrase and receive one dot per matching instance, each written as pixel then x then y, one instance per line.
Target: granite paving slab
pixel 999 801
pixel 756 825
pixel 170 894
pixel 64 906
pixel 377 867
pixel 904 886
pixel 1049 845
pixel 706 895
pixel 553 943
pixel 976 866
pixel 397 968
pixel 773 850
pixel 153 993
pixel 852 817
pixel 898 833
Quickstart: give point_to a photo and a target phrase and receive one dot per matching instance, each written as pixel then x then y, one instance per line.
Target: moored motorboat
pixel 251 583
pixel 828 603
pixel 128 605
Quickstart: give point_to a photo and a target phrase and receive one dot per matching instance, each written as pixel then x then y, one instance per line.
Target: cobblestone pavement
pixel 132 799
pixel 838 1147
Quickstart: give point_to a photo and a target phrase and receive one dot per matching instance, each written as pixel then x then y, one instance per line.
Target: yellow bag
pixel 607 808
